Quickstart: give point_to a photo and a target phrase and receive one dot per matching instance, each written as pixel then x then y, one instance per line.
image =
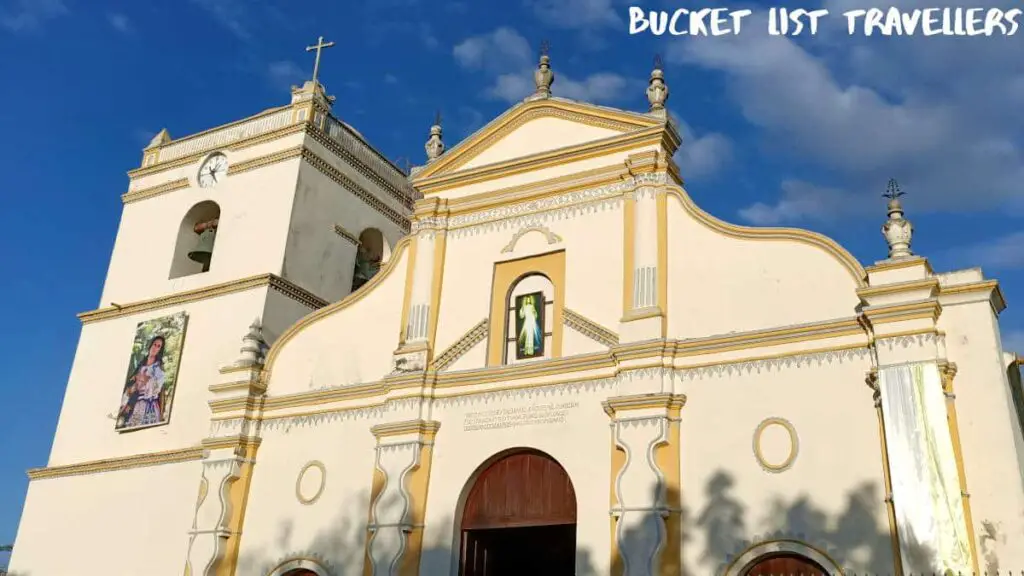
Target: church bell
pixel 204 248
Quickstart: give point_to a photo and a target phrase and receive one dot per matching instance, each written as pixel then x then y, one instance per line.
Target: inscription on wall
pixel 518 416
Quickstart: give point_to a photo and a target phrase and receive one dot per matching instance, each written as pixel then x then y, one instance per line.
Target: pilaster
pixel 890 508
pixel 423 286
pixel 398 499
pixel 646 503
pixel 229 457
pixel 645 256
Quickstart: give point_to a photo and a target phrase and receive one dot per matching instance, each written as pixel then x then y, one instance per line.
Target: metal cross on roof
pixel 319 46
pixel 545 47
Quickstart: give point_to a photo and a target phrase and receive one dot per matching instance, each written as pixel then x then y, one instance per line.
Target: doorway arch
pixel 783 557
pixel 519 517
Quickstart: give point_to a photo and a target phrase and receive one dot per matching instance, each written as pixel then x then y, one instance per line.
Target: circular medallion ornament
pixel 775 444
pixel 311 481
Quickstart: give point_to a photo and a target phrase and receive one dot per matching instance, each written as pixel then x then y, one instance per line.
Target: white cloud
pixel 939 114
pixel 28 15
pixel 1001 253
pixel 802 201
pixel 701 156
pixel 1013 341
pixel 285 73
pixel 390 79
pixel 501 49
pixel 505 55
pixel 119 22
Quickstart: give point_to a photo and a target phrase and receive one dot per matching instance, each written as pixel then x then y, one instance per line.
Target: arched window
pixel 529 319
pixel 193 251
pixel 373 250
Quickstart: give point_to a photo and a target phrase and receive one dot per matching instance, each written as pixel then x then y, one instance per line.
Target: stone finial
pixel 543 77
pixel 897 229
pixel 162 137
pixel 657 90
pixel 435 145
pixel 253 346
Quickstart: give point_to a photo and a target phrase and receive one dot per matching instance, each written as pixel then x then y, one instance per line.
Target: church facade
pixel 534 353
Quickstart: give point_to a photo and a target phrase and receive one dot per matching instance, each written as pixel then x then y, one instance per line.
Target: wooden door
pixel 523 489
pixel 786 564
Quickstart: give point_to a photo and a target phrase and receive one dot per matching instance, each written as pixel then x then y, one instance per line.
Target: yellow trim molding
pixel 506 275
pixel 115 464
pixel 948 372
pixel 794 445
pixel 308 500
pixel 272 281
pixel 154 191
pixel 830 246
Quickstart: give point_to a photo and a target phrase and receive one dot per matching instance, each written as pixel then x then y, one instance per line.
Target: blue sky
pixel 803 132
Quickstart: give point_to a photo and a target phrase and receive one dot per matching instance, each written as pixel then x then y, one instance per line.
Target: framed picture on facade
pixel 529 315
pixel 148 391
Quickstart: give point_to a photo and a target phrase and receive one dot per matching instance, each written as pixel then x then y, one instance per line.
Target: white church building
pixel 532 355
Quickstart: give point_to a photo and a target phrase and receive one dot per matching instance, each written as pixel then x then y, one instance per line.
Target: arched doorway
pixel 301 572
pixel 785 564
pixel 519 518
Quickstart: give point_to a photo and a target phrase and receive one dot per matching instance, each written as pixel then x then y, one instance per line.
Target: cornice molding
pixel 115 464
pixel 154 191
pixel 589 328
pixel 520 114
pixel 471 338
pixel 327 169
pixel 272 281
pixel 559 156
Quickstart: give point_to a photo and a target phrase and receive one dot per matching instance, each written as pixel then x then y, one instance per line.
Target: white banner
pixel 922 468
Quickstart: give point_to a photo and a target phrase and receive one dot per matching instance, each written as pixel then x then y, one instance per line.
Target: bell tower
pixel 270 217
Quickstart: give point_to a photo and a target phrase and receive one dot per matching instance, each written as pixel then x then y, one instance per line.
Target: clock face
pixel 213 171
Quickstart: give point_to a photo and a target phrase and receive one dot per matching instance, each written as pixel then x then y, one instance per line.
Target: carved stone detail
pixel 589 328
pixel 640 494
pixel 209 534
pixel 552 238
pixel 390 513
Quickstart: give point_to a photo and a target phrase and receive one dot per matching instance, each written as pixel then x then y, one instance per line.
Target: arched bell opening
pixel 371 253
pixel 197 234
pixel 518 517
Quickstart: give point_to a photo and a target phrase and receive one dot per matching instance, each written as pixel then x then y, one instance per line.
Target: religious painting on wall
pixel 529 314
pixel 152 373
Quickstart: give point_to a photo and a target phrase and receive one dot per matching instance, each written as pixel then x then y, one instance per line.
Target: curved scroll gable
pixel 391 278
pixel 830 246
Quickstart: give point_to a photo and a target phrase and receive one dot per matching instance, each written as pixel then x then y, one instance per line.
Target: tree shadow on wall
pixel 857 538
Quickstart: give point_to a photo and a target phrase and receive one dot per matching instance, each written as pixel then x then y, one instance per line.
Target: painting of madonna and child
pixel 152 371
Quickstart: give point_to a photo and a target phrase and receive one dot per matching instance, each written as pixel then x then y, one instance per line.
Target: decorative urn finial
pixel 897 229
pixel 434 145
pixel 657 90
pixel 253 345
pixel 543 77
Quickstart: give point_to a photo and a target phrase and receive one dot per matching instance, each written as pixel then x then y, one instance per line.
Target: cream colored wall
pixel 279 313
pixel 580 445
pixel 538 136
pixel 316 257
pixel 834 492
pixel 350 345
pixel 993 451
pixel 121 523
pixel 278 526
pixel 254 209
pixel 213 337
pixel 719 284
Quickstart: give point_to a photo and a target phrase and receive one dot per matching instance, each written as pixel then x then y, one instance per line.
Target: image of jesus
pixel 530 313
